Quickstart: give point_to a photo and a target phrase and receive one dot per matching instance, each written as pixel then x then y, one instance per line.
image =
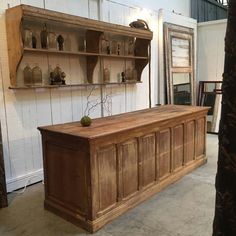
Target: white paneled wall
pixel 22 111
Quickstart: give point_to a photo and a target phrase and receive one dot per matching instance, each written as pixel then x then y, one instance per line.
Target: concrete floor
pixel 185 208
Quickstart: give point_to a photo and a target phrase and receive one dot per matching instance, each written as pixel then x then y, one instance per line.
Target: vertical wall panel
pixel 35 3
pixel 74 7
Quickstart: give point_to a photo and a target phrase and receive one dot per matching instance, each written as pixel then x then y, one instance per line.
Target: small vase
pixel 60 41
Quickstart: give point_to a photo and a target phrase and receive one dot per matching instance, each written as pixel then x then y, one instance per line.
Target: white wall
pixel 210 60
pixel 182 7
pixel 22 111
pixel 210 63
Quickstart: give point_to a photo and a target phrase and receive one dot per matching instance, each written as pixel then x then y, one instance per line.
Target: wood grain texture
pixel 128 155
pixel 119 161
pixel 147 159
pixel 189 141
pixel 164 157
pixel 178 147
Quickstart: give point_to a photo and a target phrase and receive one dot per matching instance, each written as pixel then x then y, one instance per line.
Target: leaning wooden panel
pixel 119 161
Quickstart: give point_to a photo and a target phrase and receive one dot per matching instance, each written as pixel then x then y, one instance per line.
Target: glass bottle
pixel 27 38
pixel 37 75
pixel 52 40
pixel 34 41
pixel 128 74
pixel 81 44
pixel 114 47
pixel 130 47
pixel 104 45
pixel 27 72
pixel 44 37
pixel 106 75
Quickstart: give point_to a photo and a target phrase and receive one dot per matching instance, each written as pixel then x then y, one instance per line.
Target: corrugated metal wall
pixel 207 10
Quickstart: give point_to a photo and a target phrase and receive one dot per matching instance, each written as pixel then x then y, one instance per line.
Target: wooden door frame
pixel 181 32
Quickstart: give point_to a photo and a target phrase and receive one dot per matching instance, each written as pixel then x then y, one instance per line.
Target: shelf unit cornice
pixel 40 14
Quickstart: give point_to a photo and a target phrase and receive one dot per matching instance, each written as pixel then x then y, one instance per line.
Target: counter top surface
pixel 125 121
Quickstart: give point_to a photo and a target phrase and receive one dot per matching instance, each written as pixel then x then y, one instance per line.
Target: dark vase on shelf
pixel 44 37
pixel 123 77
pixel 60 41
pixel 34 41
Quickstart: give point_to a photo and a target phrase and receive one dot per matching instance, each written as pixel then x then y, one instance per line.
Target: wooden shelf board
pixel 71 85
pixel 122 56
pixel 32 50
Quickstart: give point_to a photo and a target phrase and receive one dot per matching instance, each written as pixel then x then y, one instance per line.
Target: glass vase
pixel 27 38
pixel 27 73
pixel 37 75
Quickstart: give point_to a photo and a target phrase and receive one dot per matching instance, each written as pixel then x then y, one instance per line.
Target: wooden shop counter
pixel 94 174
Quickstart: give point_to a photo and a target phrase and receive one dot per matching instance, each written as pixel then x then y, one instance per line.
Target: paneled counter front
pixel 94 174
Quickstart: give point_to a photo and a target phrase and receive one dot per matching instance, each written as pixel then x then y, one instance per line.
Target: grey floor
pixel 185 208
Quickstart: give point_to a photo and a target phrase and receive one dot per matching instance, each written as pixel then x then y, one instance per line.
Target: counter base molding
pixel 94 174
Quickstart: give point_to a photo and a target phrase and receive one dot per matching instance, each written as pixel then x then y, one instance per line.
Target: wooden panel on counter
pixel 94 174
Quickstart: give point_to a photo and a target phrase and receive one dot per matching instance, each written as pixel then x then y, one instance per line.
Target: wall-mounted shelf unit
pixel 25 21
